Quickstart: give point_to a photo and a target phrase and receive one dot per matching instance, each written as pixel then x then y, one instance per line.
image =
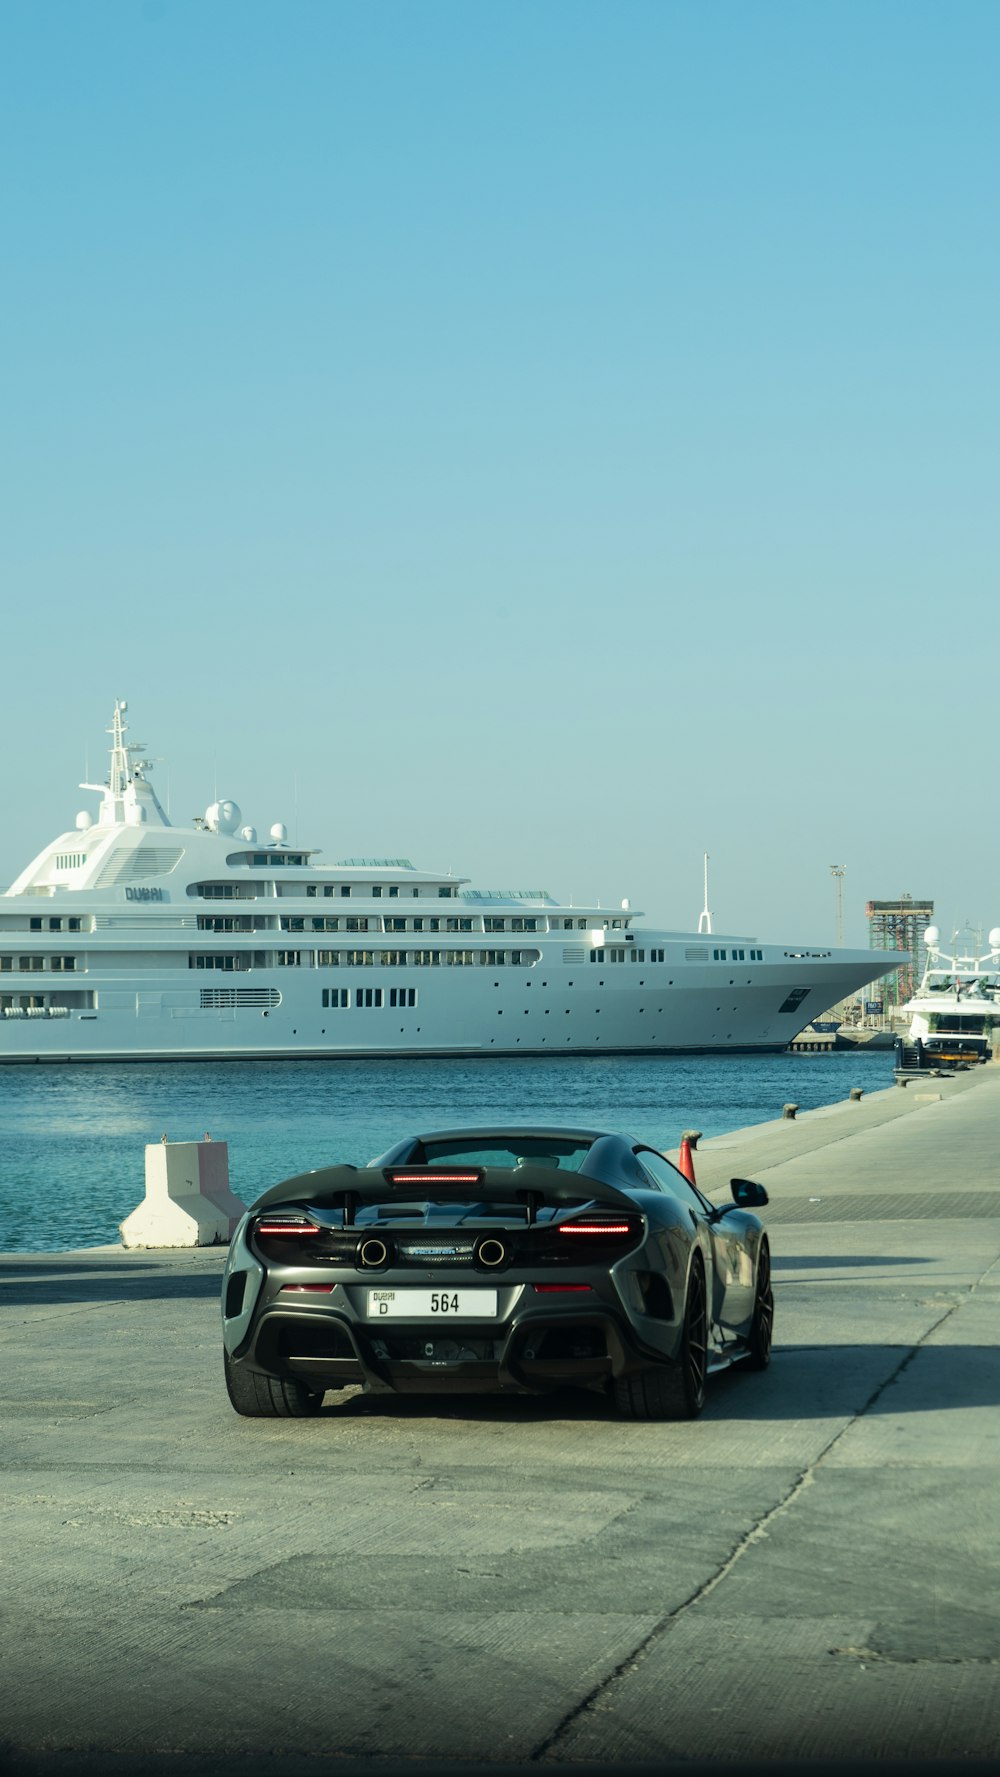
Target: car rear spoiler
pixel 524 1187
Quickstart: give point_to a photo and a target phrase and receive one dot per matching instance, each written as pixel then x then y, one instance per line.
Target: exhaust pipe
pixel 492 1254
pixel 373 1254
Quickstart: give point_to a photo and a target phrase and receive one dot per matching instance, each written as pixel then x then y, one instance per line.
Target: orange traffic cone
pixel 685 1161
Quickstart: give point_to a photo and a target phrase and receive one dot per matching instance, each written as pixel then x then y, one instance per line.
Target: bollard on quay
pixel 789 1110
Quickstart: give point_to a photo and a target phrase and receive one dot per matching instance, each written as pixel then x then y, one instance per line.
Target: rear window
pixel 539 1150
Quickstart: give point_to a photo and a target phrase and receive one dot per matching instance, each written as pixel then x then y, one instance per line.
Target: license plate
pixel 432 1304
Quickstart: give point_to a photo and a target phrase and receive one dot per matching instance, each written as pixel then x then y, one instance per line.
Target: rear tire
pixel 677 1390
pixel 255 1396
pixel 762 1325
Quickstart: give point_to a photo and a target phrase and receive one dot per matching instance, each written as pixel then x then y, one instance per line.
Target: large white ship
pixel 129 938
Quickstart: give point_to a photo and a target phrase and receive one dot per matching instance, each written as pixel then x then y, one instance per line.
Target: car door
pixel 732 1284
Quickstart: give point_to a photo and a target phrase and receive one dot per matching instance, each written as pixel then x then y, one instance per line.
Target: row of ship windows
pixel 235 962
pixel 616 953
pixel 33 965
pixel 738 956
pixel 369 996
pixel 223 891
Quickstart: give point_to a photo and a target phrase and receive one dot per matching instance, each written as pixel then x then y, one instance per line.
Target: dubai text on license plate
pixel 432 1304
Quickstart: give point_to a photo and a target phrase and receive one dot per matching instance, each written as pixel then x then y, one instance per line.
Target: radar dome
pixel 229 815
pixel 994 938
pixel 279 832
pixel 84 821
pixel 249 834
pixel 932 935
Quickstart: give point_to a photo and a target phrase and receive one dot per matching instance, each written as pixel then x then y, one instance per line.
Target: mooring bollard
pixel 692 1137
pixel 856 1092
pixel 789 1110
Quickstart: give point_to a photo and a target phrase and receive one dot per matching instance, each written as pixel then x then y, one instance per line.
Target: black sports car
pixel 496 1260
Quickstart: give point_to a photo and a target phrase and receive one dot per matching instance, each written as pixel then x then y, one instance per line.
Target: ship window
pixel 376 891
pixel 391 959
pixel 292 923
pixel 225 922
pixel 393 893
pixel 64 963
pixel 288 959
pixel 637 956
pixel 345 889
pixel 616 954
pixel 418 925
pixel 325 924
pixel 229 962
pixel 336 996
pixel 395 925
pixel 34 925
pixel 447 894
pixel 402 996
pixel 55 925
pixel 367 996
pixel 356 925
pixel 719 956
pixel 70 860
pixel 597 956
pixel 493 925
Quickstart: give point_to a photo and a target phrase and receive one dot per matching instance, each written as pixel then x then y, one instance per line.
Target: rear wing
pixel 521 1187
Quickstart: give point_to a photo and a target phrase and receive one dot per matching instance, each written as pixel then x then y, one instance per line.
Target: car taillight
pixel 552 1289
pixel 295 1226
pixel 604 1229
pixel 305 1289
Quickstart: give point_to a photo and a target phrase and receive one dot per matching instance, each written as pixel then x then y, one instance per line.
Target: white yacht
pixel 955 1011
pixel 129 938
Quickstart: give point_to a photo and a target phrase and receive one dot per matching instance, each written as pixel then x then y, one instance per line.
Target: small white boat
pixel 956 1009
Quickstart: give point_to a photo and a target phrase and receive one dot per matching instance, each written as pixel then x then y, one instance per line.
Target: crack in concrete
pixel 756 1534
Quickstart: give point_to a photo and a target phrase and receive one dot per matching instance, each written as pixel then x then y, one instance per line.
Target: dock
pixel 806 1572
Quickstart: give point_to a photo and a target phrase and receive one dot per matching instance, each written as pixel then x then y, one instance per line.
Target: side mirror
pixel 747 1194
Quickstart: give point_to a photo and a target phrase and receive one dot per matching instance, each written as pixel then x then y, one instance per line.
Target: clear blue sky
pixel 544 440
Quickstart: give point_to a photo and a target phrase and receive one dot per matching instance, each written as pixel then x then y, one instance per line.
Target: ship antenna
pixel 705 917
pixel 119 776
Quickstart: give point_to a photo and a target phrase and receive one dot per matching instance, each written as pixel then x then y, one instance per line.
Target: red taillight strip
pixel 277 1227
pixel 435 1178
pixel 315 1289
pixel 552 1289
pixel 597 1228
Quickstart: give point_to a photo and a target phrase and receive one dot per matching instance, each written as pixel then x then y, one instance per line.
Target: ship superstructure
pixel 130 938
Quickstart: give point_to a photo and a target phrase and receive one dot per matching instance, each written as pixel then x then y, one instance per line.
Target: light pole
pixel 838 872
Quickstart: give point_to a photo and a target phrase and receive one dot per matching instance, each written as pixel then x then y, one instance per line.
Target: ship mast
pixel 705 917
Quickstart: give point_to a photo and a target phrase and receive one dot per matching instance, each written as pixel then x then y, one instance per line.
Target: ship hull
pixel 552 1008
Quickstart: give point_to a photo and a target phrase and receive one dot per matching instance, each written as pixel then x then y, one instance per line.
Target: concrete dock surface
pixel 808 1572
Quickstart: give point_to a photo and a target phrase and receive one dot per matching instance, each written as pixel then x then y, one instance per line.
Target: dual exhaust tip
pixel 374 1254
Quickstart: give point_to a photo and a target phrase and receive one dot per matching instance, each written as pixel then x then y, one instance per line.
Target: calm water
pixel 71 1164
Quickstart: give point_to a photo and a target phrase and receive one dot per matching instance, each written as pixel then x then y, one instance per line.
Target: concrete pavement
pixel 809 1571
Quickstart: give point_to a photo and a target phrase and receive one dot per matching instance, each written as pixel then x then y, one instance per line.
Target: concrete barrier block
pixel 188 1201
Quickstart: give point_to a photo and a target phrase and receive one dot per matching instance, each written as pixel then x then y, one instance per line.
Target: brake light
pixel 553 1289
pixel 435 1178
pixel 305 1289
pixel 604 1228
pixel 295 1226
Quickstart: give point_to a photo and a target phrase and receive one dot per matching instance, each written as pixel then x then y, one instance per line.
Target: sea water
pixel 72 1138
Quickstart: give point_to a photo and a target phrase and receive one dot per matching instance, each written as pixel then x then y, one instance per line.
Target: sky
pixel 547 441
